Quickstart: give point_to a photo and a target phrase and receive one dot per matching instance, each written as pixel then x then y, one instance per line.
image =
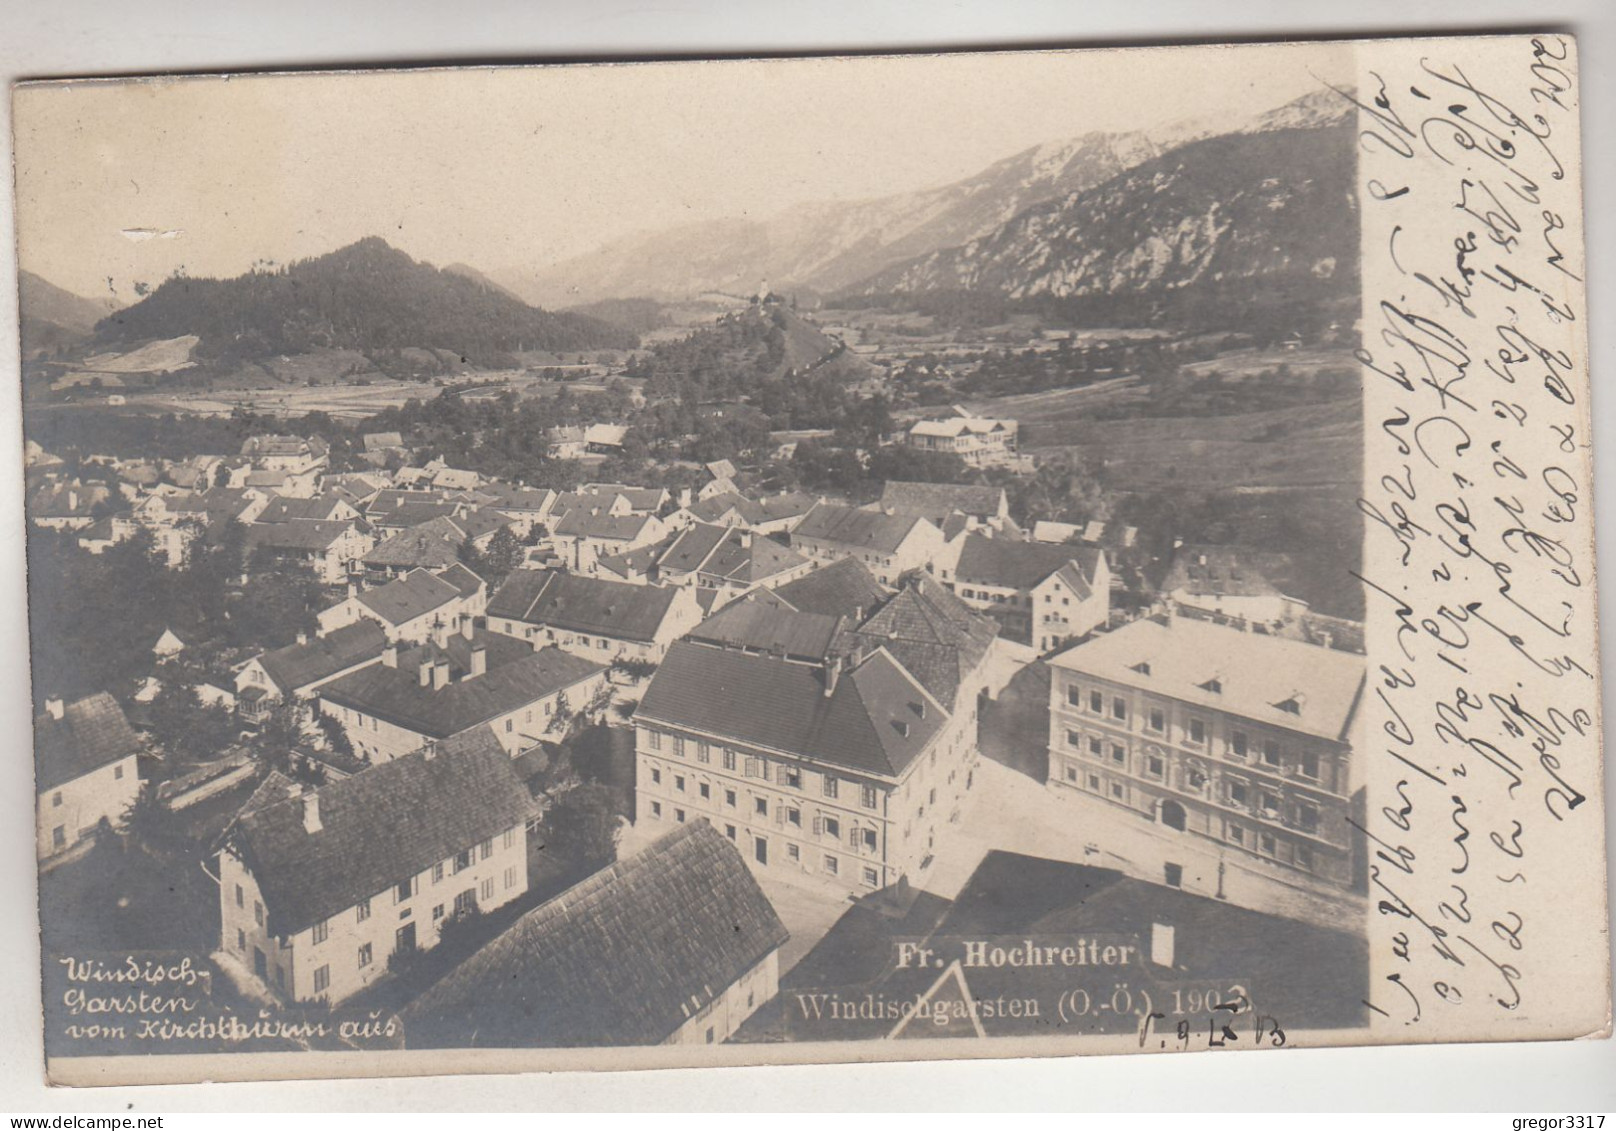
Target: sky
pixel 120 181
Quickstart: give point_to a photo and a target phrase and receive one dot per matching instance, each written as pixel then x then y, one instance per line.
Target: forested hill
pixel 367 296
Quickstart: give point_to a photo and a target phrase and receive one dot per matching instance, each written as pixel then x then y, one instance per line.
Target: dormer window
pixel 1214 685
pixel 1142 667
pixel 1291 706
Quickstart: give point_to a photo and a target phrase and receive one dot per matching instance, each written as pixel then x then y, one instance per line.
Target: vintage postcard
pixel 749 561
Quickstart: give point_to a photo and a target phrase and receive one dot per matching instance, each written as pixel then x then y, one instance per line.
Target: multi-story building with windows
pixel 835 752
pixel 318 889
pixel 1240 739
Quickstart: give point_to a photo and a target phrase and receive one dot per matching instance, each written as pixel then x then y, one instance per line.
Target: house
pixel 67 506
pixel 592 617
pixel 1230 581
pixel 724 562
pixel 724 508
pixel 1042 595
pixel 761 625
pixel 383 444
pixel 410 550
pixel 441 689
pixel 328 507
pixel 526 507
pixel 1235 738
pixel 780 514
pixel 844 589
pixel 605 439
pixel 838 772
pixel 1055 533
pixel 286 465
pixel 298 670
pixel 415 607
pixel 979 441
pixel 319 889
pixel 674 945
pixel 887 544
pixel 977 507
pixel 168 645
pixel 566 441
pixel 84 770
pixel 582 537
pixel 639 500
pixel 331 550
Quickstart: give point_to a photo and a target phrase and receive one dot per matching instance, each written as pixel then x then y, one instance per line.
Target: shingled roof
pixel 1284 683
pixel 727 553
pixel 624 958
pixel 938 500
pixel 1022 565
pixel 299 665
pixel 581 523
pixel 283 509
pixel 378 827
pixel 415 594
pixel 842 589
pixel 876 720
pixel 761 625
pixel 1224 571
pixel 396 695
pixel 594 605
pixel 92 732
pixel 414 548
pixel 850 526
pixel 932 634
pixel 298 534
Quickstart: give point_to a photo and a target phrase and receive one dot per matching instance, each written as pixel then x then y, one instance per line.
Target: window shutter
pixel 819 826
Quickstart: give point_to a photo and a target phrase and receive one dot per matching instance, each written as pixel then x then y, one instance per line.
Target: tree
pixel 583 825
pixel 503 555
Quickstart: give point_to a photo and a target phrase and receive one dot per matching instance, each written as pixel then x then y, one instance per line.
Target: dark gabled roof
pixel 639 561
pixel 54 500
pixel 216 504
pixel 378 827
pixel 381 441
pixel 582 523
pixel 785 505
pixel 717 506
pixel 877 720
pixel 690 548
pixel 92 733
pixel 750 559
pixel 937 500
pixel 506 497
pixel 764 626
pixel 595 605
pixel 298 665
pixel 1225 571
pixel 640 498
pixel 415 594
pixel 396 694
pixel 414 515
pixel 841 589
pixel 391 498
pixel 283 509
pixel 624 958
pixel 932 634
pixel 850 526
pixel 462 577
pixel 414 548
pixel 297 534
pixel 260 447
pixel 1020 565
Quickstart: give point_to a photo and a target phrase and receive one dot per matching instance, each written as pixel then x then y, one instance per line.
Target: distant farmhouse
pixel 979 441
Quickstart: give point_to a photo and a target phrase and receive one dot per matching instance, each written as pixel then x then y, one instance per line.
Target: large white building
pixel 86 770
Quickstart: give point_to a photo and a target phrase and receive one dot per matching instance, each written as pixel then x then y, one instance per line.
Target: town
pixel 369 729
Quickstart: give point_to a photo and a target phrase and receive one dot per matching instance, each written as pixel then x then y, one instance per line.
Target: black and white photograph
pixel 755 561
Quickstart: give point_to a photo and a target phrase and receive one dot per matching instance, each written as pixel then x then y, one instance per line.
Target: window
pixel 1238 744
pixel 704 753
pixel 1096 702
pixel 793 852
pixel 1267 843
pixel 365 955
pixel 465 902
pixel 241 939
pixel 1304 857
pixel 510 877
pixel 794 816
pixel 1074 696
pixel 462 861
pixel 437 872
pixel 831 786
pixel 1237 835
pixel 789 776
pixel 509 839
pixel 653 739
pixel 117 773
pixel 831 827
pixel 322 931
pixel 1157 720
pixel 729 759
pixel 487 889
pixel 322 979
pixel 1094 782
pixel 729 831
pixel 405 890
pixel 867 796
pixel 1118 754
pixel 437 913
pixel 1071 773
pixel 656 808
pixel 1308 764
pixel 1268 803
pixel 1116 789
pixel 1154 766
pixel 679 746
pixel 871 877
pixel 679 815
pixel 831 865
pixel 1197 731
pixel 1119 708
pixel 705 790
pixel 656 777
pixel 241 896
pixel 1237 793
pixel 1096 747
pixel 1307 816
pixel 867 836
pixel 1074 739
pixel 486 849
pixel 510 725
pixel 1270 752
pixel 761 806
pixel 258 913
pixel 679 782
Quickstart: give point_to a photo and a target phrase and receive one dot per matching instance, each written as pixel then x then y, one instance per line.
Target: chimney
pixel 468 626
pixel 426 672
pixel 311 812
pixel 430 750
pixel 479 661
pixel 302 639
pixel 55 708
pixel 833 672
pixel 440 675
pixel 353 589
